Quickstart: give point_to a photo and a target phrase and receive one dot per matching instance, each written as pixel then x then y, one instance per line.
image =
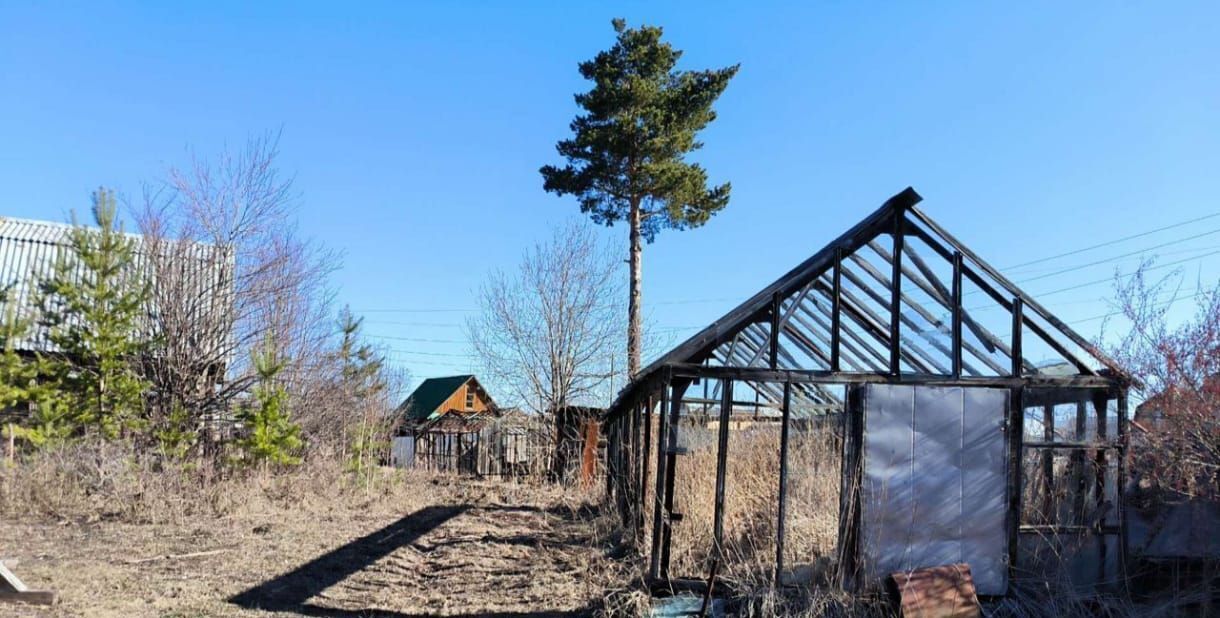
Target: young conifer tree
pixel 271 437
pixel 363 384
pixel 94 306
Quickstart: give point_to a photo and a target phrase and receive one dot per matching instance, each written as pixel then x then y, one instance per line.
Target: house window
pixel 469 399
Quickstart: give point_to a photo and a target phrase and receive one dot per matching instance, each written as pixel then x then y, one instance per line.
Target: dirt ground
pixel 486 549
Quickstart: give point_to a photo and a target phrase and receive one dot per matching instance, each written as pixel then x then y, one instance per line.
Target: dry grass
pixel 115 535
pixel 751 498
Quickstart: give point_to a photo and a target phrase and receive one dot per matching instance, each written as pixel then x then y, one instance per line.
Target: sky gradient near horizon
pixel 415 133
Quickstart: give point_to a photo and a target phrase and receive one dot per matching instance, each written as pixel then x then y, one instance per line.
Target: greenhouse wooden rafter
pixel 895 300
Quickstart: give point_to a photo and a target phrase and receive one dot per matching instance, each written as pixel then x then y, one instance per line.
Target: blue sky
pixel 415 132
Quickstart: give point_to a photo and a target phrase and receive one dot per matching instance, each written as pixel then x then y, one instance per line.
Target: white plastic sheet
pixel 934 484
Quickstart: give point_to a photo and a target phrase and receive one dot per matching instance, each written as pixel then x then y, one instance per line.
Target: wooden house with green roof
pixel 452 424
pixel 436 397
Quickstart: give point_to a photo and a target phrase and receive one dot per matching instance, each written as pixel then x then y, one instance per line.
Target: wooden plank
pixel 28 597
pixel 918 308
pixel 10 582
pixel 13 590
pixel 671 464
pixel 669 399
pixel 937 592
pixel 875 326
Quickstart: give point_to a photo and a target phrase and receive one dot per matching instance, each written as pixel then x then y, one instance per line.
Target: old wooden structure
pixel 452 424
pixel 959 403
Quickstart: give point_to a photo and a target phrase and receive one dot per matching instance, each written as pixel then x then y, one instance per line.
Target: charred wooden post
pixel 956 308
pixel 1121 484
pixel 1017 320
pixel 1079 478
pixel 782 506
pixel 644 458
pixel 1099 408
pixel 1048 464
pixel 1015 427
pixel 658 513
pixel 895 333
pixel 722 454
pixel 836 310
pixel 671 461
pixel 775 324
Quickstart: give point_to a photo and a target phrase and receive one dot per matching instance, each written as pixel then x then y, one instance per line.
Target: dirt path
pixel 520 556
pixel 449 560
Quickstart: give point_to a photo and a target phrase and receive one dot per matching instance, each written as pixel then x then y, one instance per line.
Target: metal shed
pixel 961 422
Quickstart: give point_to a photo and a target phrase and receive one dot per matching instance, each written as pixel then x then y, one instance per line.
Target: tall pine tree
pixel 94 308
pixel 626 159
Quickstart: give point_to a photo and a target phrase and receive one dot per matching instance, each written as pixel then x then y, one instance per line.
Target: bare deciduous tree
pixel 1178 364
pixel 549 332
pixel 230 274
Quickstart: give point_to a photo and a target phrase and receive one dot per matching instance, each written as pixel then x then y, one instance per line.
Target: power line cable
pixel 1118 257
pixel 1114 242
pixel 1198 292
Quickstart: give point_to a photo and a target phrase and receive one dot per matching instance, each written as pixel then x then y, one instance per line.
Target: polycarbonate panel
pixel 934 481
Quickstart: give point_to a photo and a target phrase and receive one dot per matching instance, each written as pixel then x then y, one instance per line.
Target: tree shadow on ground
pixel 292 591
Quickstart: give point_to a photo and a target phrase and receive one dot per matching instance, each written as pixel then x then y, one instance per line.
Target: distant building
pixel 203 287
pixel 452 424
pixel 436 397
pixel 30 251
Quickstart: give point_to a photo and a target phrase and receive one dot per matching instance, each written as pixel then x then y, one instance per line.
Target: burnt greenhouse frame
pixel 825 324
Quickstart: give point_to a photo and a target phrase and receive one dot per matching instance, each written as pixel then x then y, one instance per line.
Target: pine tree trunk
pixel 633 303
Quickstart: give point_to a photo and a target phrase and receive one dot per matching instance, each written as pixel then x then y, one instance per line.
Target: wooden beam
pixel 1004 302
pixel 875 327
pixel 1015 426
pixel 957 315
pixel 752 374
pixel 861 361
pixel 896 296
pixel 1017 320
pixel 13 590
pixel 915 306
pixel 781 518
pixel 722 454
pixel 936 289
pixel 791 281
pixel 774 340
pixel 1012 288
pixel 836 308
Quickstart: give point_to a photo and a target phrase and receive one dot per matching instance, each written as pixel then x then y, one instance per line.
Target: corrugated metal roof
pixel 29 251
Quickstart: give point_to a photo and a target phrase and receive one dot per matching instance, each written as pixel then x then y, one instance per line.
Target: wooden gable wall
pixel 457 401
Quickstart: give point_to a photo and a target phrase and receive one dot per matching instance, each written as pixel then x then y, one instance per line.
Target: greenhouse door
pixel 934 485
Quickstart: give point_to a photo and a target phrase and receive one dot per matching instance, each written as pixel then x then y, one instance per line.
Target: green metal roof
pixel 429 396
